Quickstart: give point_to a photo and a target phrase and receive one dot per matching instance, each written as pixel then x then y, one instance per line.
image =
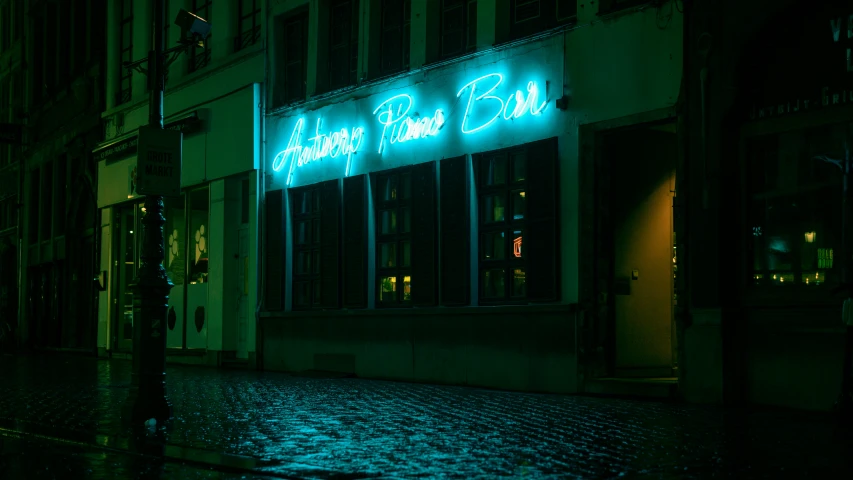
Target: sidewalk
pixel 289 426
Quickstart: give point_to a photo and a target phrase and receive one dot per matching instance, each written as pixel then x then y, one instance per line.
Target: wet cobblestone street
pixel 295 427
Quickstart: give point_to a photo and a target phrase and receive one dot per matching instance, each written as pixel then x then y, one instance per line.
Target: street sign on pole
pixel 158 162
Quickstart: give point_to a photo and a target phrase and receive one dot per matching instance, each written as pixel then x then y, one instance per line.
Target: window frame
pixel 466 29
pixel 281 91
pixel 507 226
pixel 348 46
pixel 198 61
pixel 398 237
pixel 402 37
pixel 545 20
pixel 246 37
pixel 125 53
pixel 314 246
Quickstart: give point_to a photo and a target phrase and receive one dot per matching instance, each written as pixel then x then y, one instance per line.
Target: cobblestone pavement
pixel 298 427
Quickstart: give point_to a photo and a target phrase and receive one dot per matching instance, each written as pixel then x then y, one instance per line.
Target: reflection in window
pixel 795 207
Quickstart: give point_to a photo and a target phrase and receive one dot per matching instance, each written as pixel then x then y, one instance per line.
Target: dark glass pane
pixel 519 205
pixel 472 24
pixel 519 283
pixel 388 255
pixel 388 187
pixel 317 284
pixel 519 167
pixel 301 294
pixel 406 261
pixel 493 170
pixel 388 222
pixel 493 208
pixel 406 186
pixel 315 231
pixel 493 246
pixel 315 263
pixel 493 283
pixel 303 263
pixel 407 220
pixel 302 233
pixel 407 288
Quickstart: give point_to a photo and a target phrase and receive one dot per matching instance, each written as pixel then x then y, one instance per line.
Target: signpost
pixel 158 162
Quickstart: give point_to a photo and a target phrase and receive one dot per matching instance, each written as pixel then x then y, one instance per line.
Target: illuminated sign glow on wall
pixel 320 146
pixel 404 127
pixel 400 124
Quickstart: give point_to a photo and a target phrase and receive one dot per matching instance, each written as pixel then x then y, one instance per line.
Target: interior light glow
pixel 403 126
pixel 342 142
pixel 517 105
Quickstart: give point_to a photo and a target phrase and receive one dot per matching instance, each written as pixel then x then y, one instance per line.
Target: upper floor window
pixel 200 57
pixel 794 207
pixel 458 27
pixel 396 33
pixel 5 26
pixel 291 55
pixel 343 43
pixel 528 17
pixel 125 89
pixel 516 191
pixel 248 24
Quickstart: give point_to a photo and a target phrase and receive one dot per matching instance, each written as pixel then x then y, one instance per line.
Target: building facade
pixel 57 98
pixel 441 183
pixel 768 254
pixel 214 97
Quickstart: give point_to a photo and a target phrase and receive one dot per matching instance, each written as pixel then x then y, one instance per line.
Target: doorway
pixel 641 192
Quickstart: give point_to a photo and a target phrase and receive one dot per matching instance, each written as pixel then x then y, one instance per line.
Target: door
pixel 243 299
pixel 124 273
pixel 643 187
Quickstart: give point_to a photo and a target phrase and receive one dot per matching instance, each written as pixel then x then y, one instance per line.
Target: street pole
pixel 148 397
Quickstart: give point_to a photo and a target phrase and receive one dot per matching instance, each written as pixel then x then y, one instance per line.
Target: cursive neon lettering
pixel 402 126
pixel 319 146
pixel 515 106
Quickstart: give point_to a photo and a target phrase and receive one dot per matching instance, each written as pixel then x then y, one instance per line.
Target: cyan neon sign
pixel 516 106
pixel 403 127
pixel 482 110
pixel 320 146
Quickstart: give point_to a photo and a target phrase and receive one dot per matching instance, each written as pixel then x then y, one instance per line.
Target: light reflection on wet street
pixel 295 427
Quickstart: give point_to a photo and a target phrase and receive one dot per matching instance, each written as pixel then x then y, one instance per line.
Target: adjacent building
pixel 473 192
pixel 214 95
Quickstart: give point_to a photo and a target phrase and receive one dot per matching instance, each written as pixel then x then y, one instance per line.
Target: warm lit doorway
pixel 642 164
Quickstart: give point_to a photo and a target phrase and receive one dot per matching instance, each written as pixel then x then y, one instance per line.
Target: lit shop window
pixel 795 207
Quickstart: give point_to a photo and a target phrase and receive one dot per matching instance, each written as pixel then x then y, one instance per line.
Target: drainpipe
pixel 261 201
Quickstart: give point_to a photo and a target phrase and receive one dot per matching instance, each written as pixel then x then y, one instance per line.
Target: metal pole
pixel 151 290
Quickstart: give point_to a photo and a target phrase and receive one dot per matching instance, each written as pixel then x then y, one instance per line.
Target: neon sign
pixel 404 127
pixel 516 247
pixel 320 146
pixel 523 103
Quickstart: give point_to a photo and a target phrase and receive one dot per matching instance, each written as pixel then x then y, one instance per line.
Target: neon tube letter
pixel 403 127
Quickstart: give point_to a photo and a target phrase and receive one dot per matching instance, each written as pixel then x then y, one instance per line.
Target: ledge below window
pixel 566 308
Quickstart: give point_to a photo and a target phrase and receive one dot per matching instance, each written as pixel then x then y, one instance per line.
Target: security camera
pixel 194 29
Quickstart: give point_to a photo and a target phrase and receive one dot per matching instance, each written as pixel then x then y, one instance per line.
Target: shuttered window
pixel 396 32
pixel 355 242
pixel 291 53
pixel 517 206
pixel 274 264
pixel 455 232
pixel 315 213
pixel 405 215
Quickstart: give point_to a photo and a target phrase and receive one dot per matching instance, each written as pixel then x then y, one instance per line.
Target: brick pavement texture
pixel 323 428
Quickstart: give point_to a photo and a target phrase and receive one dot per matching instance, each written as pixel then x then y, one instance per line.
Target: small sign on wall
pixel 159 162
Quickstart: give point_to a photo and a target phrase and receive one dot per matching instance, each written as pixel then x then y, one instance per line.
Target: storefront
pixel 768 254
pixel 208 233
pixel 428 227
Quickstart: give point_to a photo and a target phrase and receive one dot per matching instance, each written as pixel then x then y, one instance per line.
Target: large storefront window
pixel 175 233
pixel 199 235
pixel 795 207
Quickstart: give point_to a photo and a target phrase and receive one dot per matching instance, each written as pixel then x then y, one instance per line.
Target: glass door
pixel 126 262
